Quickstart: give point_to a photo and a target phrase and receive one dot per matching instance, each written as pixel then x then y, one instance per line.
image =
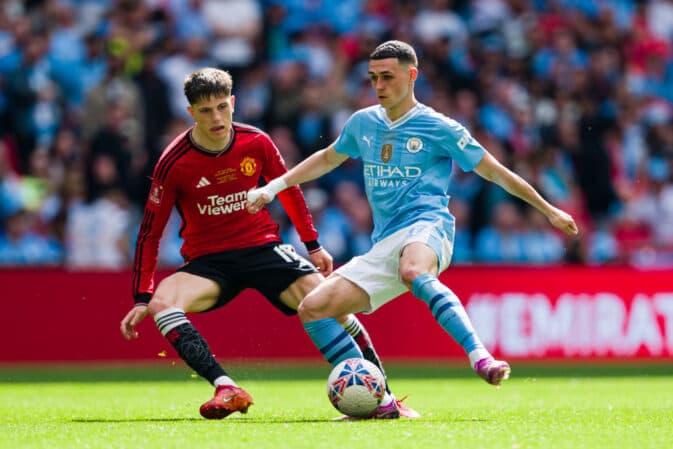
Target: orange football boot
pixel 227 400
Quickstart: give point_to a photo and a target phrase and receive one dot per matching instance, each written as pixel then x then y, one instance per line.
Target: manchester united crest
pixel 386 152
pixel 248 166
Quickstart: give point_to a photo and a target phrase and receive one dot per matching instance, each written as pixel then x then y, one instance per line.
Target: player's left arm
pixel 294 203
pixel 489 168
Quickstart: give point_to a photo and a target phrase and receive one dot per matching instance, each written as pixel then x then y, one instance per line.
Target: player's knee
pixel 310 310
pixel 159 303
pixel 305 312
pixel 409 273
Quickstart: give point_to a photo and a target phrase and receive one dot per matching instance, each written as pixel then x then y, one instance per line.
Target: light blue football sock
pixel 335 344
pixel 447 310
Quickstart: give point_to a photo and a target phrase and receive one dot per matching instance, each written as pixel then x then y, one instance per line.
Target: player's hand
pixel 323 261
pixel 131 320
pixel 257 198
pixel 563 221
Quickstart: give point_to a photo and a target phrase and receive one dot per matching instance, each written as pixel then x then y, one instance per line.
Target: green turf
pixel 125 408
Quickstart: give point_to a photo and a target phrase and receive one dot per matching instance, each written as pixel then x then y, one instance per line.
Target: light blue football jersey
pixel 407 164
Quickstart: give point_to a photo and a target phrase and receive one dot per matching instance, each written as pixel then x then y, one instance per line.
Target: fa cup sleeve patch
pixel 156 194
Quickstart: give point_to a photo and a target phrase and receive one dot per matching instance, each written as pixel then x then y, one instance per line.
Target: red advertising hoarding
pixel 519 312
pixel 572 312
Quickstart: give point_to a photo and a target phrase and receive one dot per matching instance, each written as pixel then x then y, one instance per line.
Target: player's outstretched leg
pixel 450 314
pixel 333 342
pixel 193 349
pixel 336 345
pixel 355 328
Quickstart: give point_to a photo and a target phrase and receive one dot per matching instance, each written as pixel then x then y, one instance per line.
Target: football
pixel 356 387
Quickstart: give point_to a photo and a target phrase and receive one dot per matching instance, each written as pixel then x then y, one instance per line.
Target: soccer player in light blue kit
pixel 407 151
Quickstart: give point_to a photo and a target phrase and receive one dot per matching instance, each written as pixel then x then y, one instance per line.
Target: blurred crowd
pixel 574 95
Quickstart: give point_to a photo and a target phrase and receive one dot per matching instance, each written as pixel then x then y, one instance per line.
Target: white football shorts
pixel 377 271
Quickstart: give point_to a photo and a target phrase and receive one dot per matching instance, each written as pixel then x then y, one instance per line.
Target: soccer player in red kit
pixel 205 174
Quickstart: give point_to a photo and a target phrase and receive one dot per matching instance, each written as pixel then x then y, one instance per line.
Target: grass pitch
pixel 539 407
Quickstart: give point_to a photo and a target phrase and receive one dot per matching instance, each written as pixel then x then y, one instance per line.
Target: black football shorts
pixel 269 269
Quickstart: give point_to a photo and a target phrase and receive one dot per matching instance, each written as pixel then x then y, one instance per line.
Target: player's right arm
pixel 313 167
pixel 158 208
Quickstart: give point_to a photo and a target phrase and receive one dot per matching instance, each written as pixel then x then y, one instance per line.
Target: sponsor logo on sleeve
pixel 462 142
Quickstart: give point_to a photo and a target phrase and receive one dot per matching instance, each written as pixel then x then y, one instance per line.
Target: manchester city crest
pixel 414 145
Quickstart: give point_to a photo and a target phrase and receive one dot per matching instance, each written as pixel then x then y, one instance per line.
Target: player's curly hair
pixel 207 82
pixel 404 52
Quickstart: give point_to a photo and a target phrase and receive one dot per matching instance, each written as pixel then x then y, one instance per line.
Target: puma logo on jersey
pixel 368 141
pixel 202 182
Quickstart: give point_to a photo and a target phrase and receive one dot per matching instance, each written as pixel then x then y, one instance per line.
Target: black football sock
pixel 189 344
pixel 353 326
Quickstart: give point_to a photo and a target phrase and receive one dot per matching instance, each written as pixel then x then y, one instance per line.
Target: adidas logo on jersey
pixel 202 182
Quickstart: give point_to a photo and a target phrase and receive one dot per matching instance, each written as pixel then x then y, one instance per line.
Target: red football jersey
pixel 209 192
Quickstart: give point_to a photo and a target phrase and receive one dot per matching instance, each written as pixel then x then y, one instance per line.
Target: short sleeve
pixel 462 147
pixel 346 143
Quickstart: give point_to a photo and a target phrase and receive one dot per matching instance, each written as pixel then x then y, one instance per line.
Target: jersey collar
pixel 208 152
pixel 402 120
